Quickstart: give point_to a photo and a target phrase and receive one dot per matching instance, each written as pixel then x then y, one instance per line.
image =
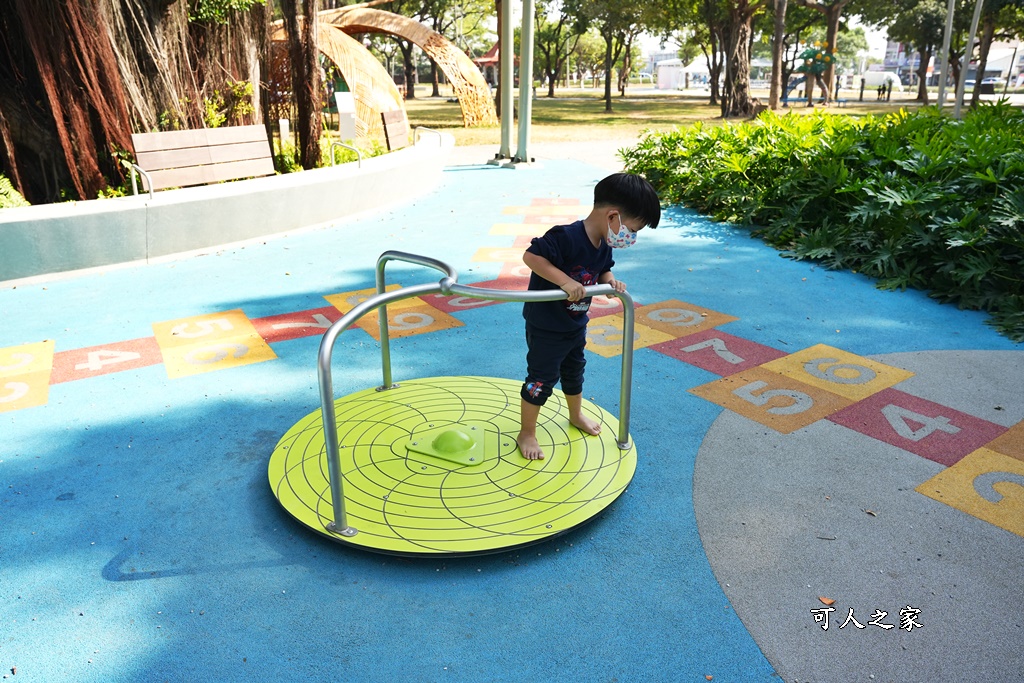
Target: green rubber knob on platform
pixel 453 441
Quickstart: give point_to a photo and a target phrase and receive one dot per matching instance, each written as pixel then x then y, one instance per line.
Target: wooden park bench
pixel 396 130
pixel 183 158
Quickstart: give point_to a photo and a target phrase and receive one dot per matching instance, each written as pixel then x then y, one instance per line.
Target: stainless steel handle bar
pixel 448 285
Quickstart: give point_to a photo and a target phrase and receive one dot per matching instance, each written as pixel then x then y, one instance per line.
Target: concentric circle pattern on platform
pixel 408 503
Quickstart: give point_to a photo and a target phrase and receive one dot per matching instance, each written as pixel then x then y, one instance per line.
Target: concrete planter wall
pixel 54 238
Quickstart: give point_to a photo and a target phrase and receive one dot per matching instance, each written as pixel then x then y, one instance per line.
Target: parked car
pixel 993 81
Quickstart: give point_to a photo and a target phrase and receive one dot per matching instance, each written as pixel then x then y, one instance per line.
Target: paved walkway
pixel 809 447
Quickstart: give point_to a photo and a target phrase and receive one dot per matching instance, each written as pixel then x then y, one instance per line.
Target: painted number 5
pixel 800 400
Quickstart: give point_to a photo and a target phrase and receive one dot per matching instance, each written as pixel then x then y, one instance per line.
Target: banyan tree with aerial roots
pixel 78 77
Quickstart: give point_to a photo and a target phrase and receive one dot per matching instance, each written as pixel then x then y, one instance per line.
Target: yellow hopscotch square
pixel 1010 443
pixel 838 371
pixel 776 401
pixel 26 359
pixel 205 343
pixel 604 336
pixel 578 210
pixel 409 320
pixel 202 329
pixel 346 301
pixel 679 318
pixel 216 354
pixel 500 254
pixel 533 229
pixel 984 484
pixel 25 390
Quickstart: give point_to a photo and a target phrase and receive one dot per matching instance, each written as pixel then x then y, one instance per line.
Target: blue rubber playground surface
pixel 811 452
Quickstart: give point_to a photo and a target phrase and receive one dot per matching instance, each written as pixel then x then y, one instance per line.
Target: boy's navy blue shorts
pixel 552 357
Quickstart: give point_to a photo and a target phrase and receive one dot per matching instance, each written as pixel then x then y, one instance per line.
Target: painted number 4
pixel 900 419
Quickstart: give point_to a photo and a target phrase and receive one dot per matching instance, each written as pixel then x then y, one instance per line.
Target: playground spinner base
pixel 432 468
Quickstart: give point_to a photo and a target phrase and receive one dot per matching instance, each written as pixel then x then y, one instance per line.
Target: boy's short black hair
pixel 632 195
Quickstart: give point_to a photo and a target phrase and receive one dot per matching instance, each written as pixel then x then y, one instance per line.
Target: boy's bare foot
pixel 585 424
pixel 529 447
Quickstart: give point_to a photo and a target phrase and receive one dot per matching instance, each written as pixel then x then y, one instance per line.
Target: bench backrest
pixel 181 158
pixel 396 130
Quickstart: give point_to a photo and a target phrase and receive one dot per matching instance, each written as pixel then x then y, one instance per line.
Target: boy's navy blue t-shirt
pixel 570 250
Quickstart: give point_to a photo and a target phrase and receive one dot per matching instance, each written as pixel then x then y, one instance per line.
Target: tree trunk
pixel 987 32
pixel 922 75
pixel 736 98
pixel 778 46
pixel 306 85
pixel 408 68
pixel 608 38
pixel 832 15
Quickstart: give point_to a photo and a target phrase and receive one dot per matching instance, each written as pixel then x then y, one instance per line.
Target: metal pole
pixel 945 53
pixel 505 59
pixel 385 340
pixel 1009 69
pixel 327 411
pixel 968 52
pixel 626 382
pixel 525 82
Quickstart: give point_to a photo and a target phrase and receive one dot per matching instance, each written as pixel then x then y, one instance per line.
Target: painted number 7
pixel 800 400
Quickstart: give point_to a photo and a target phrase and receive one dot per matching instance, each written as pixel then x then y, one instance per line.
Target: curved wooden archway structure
pixel 471 89
pixel 372 87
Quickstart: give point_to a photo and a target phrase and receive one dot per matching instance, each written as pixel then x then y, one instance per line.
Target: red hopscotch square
pixel 550 221
pixel 515 271
pixel 606 304
pixel 454 304
pixel 931 430
pixel 315 321
pixel 718 352
pixel 554 201
pixel 506 283
pixel 523 241
pixel 105 359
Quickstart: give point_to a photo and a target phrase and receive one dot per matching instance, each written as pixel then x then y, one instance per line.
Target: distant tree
pixel 1000 19
pixel 559 24
pixel 618 22
pixel 737 38
pixel 588 54
pixel 832 11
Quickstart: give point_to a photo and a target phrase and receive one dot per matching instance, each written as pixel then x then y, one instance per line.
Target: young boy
pixel 570 257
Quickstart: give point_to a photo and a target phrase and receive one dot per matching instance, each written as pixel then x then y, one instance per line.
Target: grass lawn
pixel 579 115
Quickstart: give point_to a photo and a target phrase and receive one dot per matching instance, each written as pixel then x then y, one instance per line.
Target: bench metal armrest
pixel 359 155
pixel 149 181
pixel 416 135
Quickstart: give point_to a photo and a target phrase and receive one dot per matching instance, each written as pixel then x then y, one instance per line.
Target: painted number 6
pixel 813 368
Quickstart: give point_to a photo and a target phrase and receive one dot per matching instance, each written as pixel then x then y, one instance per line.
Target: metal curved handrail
pixel 416 135
pixel 359 154
pixel 448 285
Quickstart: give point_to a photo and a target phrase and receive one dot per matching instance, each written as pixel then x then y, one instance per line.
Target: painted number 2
pixel 15 391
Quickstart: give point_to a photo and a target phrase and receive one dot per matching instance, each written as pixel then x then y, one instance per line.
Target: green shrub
pixel 913 199
pixel 10 197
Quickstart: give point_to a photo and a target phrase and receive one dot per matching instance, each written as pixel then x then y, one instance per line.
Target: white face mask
pixel 621 239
